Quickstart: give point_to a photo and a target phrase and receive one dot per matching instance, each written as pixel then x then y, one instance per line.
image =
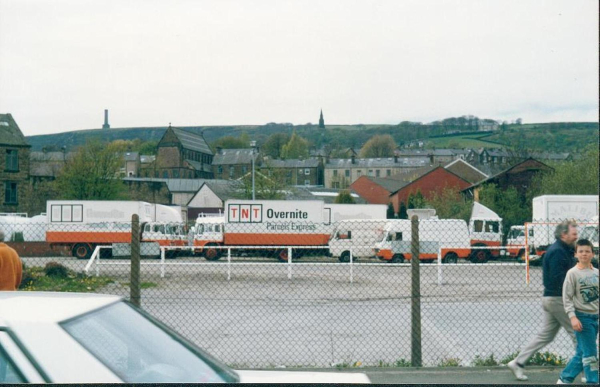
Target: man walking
pixel 558 260
pixel 11 269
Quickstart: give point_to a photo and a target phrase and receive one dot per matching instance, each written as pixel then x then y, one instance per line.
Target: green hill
pixel 555 137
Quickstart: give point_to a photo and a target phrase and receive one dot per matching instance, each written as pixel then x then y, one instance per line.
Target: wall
pixel 373 193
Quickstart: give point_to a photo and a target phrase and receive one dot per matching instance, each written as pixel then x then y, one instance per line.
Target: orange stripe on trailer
pixel 276 239
pixel 87 237
pixel 385 254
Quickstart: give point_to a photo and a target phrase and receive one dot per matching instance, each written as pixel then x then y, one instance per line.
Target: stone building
pixel 181 155
pixel 294 171
pixel 231 164
pixel 14 163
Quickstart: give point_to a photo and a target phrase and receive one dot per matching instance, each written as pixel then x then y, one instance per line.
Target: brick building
pixel 231 164
pixel 14 163
pixel 294 171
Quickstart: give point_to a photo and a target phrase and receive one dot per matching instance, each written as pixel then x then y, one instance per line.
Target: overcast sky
pixel 220 62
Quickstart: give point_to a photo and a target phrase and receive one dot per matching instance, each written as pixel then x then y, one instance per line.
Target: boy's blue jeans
pixel 586 354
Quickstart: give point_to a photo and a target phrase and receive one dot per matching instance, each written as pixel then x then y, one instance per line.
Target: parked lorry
pixel 276 223
pixel 449 235
pixel 81 225
pixel 356 237
pixel 485 230
pixel 516 242
pixel 20 228
pixel 549 210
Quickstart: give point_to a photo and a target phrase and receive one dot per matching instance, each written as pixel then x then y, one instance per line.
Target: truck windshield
pixel 140 350
pixel 513 234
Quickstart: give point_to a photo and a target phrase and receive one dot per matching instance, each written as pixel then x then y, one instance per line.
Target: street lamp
pixel 253 145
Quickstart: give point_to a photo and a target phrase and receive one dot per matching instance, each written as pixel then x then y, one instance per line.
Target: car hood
pixel 252 376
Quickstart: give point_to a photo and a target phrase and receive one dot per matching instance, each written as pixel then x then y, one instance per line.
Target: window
pixel 231 171
pixel 344 235
pixel 307 171
pixel 359 172
pixel 9 374
pixel 220 169
pixel 10 192
pixel 335 184
pixel 12 160
pixel 478 226
pixel 394 236
pixel 492 227
pixel 165 174
pixel 176 173
pixel 347 173
pixel 377 172
pixel 244 169
pixel 306 182
pixel 300 171
pixel 388 172
pixel 335 173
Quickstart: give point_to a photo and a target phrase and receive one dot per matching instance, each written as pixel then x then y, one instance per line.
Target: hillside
pixel 557 137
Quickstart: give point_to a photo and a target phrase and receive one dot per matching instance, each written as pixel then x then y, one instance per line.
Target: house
pixel 14 163
pixel 341 173
pixel 181 155
pixel 211 196
pixel 518 176
pixel 180 190
pixel 433 181
pixel 45 166
pixel 466 171
pixel 132 164
pixel 295 171
pixel 231 164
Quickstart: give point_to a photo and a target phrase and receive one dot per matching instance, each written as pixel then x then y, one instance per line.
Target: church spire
pixel 321 121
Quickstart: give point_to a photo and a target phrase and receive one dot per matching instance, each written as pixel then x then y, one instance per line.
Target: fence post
pixel 228 263
pixel 134 281
pixel 351 265
pixel 289 263
pixel 415 304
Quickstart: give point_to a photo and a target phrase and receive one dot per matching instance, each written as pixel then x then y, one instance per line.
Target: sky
pixel 251 62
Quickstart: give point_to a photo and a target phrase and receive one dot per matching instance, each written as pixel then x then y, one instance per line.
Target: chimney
pixel 106 125
pixel 395 158
pixel 353 157
pixel 219 149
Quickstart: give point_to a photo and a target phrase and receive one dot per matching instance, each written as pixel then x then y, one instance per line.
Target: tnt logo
pixel 245 213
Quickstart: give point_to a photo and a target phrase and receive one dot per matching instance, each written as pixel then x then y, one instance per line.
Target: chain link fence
pixel 294 293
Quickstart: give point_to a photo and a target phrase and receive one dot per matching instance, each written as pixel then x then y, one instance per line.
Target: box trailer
pixel 81 225
pixel 550 210
pixel 449 235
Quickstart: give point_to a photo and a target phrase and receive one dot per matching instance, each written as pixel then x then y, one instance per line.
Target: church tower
pixel 321 121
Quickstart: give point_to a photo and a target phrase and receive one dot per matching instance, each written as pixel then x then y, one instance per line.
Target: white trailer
pixel 356 237
pixel 549 210
pixel 81 225
pixel 485 229
pixel 21 228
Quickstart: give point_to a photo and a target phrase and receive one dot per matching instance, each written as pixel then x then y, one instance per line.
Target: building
pixel 132 164
pixel 14 163
pixel 341 173
pixel 45 166
pixel 232 164
pixel 518 176
pixel 181 155
pixel 466 171
pixel 211 197
pixel 294 171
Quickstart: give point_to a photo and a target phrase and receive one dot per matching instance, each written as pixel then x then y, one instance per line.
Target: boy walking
pixel 580 297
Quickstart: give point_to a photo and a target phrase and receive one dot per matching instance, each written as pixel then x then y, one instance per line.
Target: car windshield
pixel 140 350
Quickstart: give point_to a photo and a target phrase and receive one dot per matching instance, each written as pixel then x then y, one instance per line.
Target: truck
pixel 20 228
pixel 81 225
pixel 550 210
pixel 449 235
pixel 516 242
pixel 276 223
pixel 485 230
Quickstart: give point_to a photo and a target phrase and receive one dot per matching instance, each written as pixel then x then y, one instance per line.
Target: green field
pixel 467 141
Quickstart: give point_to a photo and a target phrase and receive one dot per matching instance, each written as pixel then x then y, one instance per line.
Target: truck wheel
pixel 451 258
pixel 521 255
pixel 82 251
pixel 397 258
pixel 345 257
pixel 480 256
pixel 211 253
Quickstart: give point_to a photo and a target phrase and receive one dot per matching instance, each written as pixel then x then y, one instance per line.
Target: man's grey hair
pixel 1 236
pixel 563 228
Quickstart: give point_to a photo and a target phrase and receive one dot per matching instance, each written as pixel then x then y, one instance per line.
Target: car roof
pixel 48 306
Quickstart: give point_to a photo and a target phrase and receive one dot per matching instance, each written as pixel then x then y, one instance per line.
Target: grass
pixel 467 141
pixel 36 279
pixel 449 362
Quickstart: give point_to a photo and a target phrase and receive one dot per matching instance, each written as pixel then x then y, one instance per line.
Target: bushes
pixel 55 269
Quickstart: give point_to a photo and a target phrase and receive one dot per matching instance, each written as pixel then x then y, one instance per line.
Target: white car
pixel 94 338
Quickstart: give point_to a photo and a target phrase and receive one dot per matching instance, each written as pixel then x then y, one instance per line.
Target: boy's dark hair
pixel 584 242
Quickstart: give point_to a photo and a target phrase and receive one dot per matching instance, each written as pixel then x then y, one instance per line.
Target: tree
pixel 390 214
pixel 578 177
pixel 402 214
pixel 507 203
pixel 416 200
pixel 344 197
pixel 379 146
pixel 231 142
pixel 266 187
pixel 274 144
pixel 450 204
pixel 92 173
pixel 33 198
pixel 295 148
